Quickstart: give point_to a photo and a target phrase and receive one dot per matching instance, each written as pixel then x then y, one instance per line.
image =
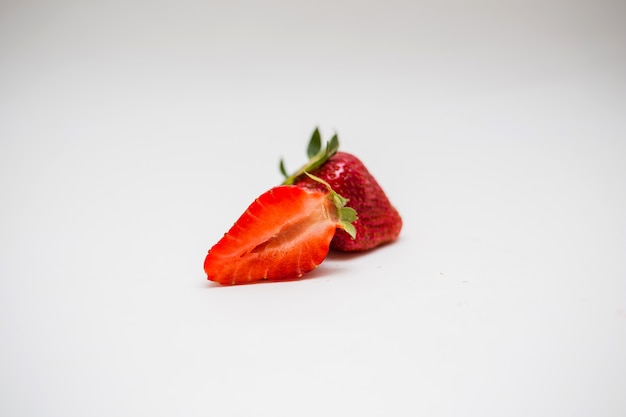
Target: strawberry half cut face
pixel 284 233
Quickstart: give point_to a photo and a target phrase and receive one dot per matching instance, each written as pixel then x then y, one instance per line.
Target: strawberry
pixel 378 223
pixel 284 233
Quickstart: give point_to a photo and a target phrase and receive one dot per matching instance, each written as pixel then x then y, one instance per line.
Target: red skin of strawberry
pixel 378 222
pixel 284 233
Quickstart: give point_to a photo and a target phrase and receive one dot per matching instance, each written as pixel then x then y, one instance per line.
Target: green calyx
pixel 347 215
pixel 317 154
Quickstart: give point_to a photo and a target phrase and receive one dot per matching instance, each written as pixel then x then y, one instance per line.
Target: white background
pixel 133 134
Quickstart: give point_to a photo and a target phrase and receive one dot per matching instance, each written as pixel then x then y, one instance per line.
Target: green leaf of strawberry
pixel 315 144
pixel 317 154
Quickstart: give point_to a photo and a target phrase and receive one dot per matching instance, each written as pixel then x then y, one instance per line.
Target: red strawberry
pixel 378 223
pixel 283 234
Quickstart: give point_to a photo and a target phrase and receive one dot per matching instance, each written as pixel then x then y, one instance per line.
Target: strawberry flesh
pixel 284 233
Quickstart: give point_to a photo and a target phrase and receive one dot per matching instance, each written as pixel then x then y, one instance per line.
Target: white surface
pixel 132 135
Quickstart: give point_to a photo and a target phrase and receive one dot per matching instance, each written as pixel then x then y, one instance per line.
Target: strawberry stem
pixel 317 154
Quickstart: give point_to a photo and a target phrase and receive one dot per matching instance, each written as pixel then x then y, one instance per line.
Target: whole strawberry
pixel 378 222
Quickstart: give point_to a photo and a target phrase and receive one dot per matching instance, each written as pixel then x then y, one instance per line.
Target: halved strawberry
pixel 284 233
pixel 378 223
